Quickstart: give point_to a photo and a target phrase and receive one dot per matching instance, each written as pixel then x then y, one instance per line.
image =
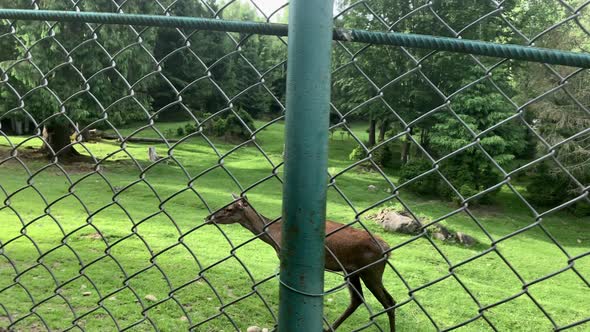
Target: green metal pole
pixel 306 161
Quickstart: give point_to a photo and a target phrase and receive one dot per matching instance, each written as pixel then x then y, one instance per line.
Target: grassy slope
pixel 216 278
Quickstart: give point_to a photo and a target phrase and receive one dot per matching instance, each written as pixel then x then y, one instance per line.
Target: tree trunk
pixel 57 136
pixel 405 153
pixel 424 137
pixel 16 125
pixel 26 126
pixel 19 127
pixel 382 129
pixel 372 127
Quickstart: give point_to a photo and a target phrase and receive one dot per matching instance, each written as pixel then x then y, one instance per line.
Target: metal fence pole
pixel 306 160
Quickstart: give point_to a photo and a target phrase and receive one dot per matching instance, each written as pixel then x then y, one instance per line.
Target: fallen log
pixel 138 139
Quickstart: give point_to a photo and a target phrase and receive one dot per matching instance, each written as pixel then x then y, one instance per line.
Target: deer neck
pixel 256 224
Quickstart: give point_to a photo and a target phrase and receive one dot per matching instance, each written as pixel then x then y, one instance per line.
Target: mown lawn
pixel 90 247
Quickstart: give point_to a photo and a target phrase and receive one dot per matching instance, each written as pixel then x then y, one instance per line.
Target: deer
pixel 352 251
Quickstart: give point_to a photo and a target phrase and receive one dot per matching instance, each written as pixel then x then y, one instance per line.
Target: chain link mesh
pixel 111 240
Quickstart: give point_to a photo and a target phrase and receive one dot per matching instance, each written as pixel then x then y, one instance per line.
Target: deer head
pixel 233 213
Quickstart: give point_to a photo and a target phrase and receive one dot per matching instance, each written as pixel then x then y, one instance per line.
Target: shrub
pixel 427 185
pixel 189 128
pixel 545 188
pixel 357 153
pixel 581 209
pixel 387 156
pixel 227 126
pixel 231 127
pixel 550 189
pixel 459 176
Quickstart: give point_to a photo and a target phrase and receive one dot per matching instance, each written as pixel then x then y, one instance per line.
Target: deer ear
pixel 242 203
pixel 234 196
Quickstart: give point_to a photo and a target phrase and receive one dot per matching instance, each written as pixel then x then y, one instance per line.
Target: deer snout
pixel 209 219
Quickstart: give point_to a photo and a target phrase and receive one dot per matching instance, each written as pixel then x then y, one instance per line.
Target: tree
pixel 559 115
pixel 186 59
pixel 75 75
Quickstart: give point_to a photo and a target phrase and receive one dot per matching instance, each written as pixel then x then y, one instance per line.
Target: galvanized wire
pixel 495 9
pixel 78 316
pixel 29 315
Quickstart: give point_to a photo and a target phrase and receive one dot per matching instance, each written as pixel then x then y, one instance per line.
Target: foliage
pixel 479 108
pixel 229 126
pixel 546 187
pixel 557 118
pixel 357 153
pixel 427 185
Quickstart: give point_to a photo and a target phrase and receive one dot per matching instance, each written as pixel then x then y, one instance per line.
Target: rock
pixel 254 329
pixel 86 293
pixel 372 188
pixel 391 221
pixel 465 239
pixel 265 330
pixel 440 232
pixel 184 318
pixel 151 298
pixel 439 236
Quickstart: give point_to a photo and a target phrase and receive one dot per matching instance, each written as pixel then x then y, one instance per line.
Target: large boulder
pixel 393 221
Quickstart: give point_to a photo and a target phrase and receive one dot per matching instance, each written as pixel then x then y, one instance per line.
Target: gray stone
pixel 151 298
pixel 391 221
pixel 465 239
pixel 440 232
pixel 372 188
pixel 254 329
pixel 439 236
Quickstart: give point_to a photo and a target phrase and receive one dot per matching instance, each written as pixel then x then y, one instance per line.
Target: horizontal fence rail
pixel 516 52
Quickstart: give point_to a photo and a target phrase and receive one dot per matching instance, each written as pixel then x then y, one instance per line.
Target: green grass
pixel 139 252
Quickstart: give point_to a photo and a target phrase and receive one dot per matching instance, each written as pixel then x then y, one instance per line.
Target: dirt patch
pixel 73 165
pixel 93 236
pixel 4 322
pixel 488 210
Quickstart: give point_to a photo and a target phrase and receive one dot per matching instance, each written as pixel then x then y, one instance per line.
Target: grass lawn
pixel 126 246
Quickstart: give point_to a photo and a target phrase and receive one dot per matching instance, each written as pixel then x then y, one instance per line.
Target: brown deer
pixel 348 250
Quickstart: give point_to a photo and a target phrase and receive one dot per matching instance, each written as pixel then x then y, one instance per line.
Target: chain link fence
pixel 104 228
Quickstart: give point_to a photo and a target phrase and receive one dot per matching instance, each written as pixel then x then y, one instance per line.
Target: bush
pixel 550 189
pixel 357 153
pixel 459 176
pixel 427 185
pixel 387 156
pixel 189 128
pixel 581 209
pixel 231 127
pixel 227 126
pixel 545 188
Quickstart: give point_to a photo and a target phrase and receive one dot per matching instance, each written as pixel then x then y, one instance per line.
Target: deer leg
pixel 356 299
pixel 373 279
